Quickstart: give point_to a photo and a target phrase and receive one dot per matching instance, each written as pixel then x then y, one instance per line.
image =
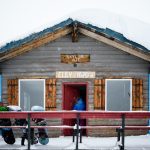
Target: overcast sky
pixel 20 18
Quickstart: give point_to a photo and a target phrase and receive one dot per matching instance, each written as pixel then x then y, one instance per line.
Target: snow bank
pixel 131 143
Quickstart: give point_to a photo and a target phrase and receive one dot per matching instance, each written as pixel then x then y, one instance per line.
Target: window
pixel 118 95
pixel 31 93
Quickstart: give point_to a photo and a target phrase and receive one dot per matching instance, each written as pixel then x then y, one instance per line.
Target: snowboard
pixel 7 133
pixel 23 122
pixel 41 132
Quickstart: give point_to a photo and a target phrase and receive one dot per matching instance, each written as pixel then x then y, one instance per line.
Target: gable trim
pixel 36 43
pixel 115 44
pixel 106 36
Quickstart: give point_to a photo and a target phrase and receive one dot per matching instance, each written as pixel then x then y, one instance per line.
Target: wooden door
pixel 70 92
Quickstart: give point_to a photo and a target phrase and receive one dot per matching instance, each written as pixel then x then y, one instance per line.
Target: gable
pixel 69 26
pixel 47 58
pixel 43 62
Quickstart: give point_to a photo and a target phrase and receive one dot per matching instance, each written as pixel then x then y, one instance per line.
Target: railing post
pixel 77 134
pixel 80 135
pixel 118 134
pixel 74 132
pixel 29 131
pixel 123 130
pixel 73 135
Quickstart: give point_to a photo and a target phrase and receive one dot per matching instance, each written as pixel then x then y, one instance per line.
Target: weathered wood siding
pixel 45 61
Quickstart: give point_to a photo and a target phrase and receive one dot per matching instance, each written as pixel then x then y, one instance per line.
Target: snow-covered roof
pixel 34 36
pixel 23 21
pixel 105 32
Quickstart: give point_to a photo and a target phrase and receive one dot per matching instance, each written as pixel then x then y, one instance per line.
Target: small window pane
pixel 118 95
pixel 31 94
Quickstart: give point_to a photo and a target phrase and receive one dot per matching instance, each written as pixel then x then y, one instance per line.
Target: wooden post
pixel 29 132
pixel 123 129
pixel 75 32
pixel 77 134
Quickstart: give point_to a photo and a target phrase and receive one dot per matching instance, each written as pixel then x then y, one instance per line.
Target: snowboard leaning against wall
pixel 41 132
pixel 23 122
pixel 7 133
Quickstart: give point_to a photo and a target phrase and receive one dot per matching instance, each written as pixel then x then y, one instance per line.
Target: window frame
pixel 118 80
pixel 32 80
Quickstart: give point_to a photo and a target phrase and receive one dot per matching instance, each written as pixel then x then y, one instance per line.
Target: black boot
pixel 22 141
pixel 24 136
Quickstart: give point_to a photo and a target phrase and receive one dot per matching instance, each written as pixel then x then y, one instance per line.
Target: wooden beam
pixel 35 43
pixel 115 44
pixel 75 33
pixel 31 77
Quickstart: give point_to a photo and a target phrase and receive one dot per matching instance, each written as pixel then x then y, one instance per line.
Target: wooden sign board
pixel 75 58
pixel 75 74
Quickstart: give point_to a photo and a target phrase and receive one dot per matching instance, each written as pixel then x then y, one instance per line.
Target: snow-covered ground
pixel 101 143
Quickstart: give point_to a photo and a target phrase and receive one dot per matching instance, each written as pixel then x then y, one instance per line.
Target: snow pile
pixel 133 29
pixel 22 18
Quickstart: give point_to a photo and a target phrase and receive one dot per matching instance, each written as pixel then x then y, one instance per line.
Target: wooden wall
pixel 44 61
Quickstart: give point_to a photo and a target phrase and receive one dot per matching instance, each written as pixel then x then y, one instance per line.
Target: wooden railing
pixel 81 115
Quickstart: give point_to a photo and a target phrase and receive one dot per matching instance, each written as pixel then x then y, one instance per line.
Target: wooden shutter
pixel 50 94
pixel 99 94
pixel 137 94
pixel 12 87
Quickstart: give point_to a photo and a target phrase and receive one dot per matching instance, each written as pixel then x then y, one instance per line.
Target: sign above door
pixel 75 74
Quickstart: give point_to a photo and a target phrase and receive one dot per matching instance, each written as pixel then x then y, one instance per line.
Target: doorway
pixel 70 92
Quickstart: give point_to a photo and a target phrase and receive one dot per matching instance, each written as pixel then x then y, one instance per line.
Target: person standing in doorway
pixel 79 104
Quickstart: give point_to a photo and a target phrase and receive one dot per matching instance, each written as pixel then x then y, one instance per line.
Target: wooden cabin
pixel 51 67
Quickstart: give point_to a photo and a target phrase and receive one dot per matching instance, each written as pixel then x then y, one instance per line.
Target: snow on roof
pixel 17 43
pixel 19 19
pixel 105 32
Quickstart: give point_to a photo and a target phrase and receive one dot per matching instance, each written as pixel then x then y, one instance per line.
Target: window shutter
pixel 50 94
pixel 12 87
pixel 99 94
pixel 137 94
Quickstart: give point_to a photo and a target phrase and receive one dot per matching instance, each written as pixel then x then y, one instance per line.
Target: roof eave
pixel 35 43
pixel 65 28
pixel 102 37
